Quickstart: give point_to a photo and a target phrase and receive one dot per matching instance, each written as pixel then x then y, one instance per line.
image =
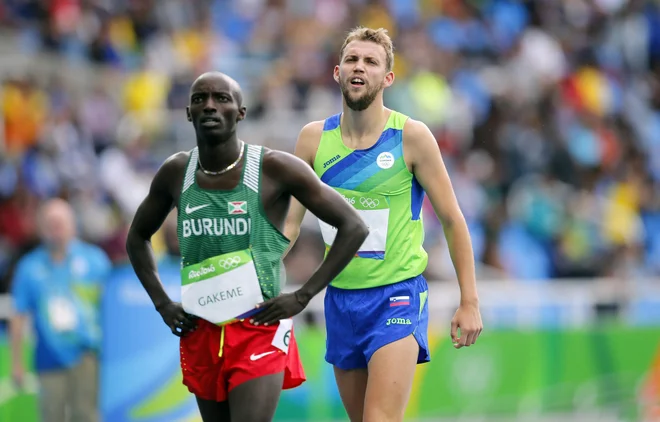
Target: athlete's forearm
pixel 141 255
pixel 460 250
pixel 350 237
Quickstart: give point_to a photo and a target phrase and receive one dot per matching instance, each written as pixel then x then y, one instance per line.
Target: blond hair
pixel 378 36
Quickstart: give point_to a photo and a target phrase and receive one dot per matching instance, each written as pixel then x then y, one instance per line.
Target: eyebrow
pixel 368 56
pixel 227 92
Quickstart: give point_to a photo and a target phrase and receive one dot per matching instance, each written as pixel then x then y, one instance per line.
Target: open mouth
pixel 209 121
pixel 357 81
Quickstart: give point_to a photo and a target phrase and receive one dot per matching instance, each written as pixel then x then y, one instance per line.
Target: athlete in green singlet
pixel 238 347
pixel 383 163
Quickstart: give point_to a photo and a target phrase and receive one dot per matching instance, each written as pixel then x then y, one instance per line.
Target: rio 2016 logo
pixel 349 200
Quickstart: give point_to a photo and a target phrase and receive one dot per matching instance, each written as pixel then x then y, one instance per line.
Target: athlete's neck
pixel 216 156
pixel 358 127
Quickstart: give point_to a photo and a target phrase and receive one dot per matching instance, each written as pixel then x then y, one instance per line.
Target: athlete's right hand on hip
pixel 177 319
pixel 281 307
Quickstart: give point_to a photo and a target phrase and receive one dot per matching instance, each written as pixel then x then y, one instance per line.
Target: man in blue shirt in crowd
pixel 58 285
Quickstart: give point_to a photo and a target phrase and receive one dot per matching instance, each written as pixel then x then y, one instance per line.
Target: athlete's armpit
pixel 160 200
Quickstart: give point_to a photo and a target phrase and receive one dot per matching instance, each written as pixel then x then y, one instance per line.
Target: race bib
pixel 62 314
pixel 283 335
pixel 375 212
pixel 221 288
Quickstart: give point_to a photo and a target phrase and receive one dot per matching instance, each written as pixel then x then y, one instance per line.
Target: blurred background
pixel 547 113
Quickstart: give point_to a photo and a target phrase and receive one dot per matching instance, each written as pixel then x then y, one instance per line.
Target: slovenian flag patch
pixel 399 301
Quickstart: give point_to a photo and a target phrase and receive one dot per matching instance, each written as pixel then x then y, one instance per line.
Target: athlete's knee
pixel 386 400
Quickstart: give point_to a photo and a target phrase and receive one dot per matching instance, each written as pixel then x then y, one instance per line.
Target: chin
pixel 359 104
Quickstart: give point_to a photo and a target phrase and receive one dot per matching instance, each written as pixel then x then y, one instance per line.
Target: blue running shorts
pixel 361 321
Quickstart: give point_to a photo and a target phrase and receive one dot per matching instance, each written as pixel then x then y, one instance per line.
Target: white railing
pixel 566 303
pixel 530 304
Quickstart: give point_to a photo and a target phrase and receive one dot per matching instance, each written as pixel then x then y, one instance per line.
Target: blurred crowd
pixel 547 113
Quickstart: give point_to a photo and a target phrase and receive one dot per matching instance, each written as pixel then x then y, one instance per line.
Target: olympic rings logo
pixel 369 202
pixel 230 262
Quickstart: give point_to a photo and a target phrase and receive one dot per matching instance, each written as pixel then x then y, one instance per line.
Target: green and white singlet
pixel 231 254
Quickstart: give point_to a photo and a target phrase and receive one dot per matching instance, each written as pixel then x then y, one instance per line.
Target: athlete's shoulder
pixel 281 165
pixel 416 131
pixel 176 161
pixel 309 140
pixel 312 131
pixel 419 143
pixel 274 159
pixel 169 175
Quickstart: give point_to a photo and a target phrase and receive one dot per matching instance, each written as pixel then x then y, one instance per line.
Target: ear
pixel 188 114
pixel 241 114
pixel 335 74
pixel 389 79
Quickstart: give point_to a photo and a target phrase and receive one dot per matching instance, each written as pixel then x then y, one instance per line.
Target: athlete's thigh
pixel 213 411
pixel 256 400
pixel 391 374
pixel 352 385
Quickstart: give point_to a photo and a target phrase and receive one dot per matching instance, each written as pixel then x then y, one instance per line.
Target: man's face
pixel 57 225
pixel 215 106
pixel 362 73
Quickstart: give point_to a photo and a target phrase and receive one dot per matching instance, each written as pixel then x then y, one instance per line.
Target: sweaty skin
pixel 215 109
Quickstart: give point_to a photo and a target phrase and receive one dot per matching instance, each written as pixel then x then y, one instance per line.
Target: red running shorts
pixel 216 359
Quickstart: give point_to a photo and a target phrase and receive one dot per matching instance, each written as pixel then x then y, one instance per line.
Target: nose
pixel 209 106
pixel 359 66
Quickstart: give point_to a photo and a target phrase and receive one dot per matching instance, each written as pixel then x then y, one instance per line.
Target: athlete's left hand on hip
pixel 281 307
pixel 468 319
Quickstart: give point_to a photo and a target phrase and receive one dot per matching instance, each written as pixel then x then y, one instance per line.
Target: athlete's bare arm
pixel 297 179
pixel 422 152
pixel 306 147
pixel 147 220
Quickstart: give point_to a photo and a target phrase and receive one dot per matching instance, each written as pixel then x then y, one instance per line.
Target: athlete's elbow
pixel 452 218
pixel 130 242
pixel 134 240
pixel 358 229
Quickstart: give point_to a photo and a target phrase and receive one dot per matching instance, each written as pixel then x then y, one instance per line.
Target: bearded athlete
pixel 238 350
pixel 383 163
